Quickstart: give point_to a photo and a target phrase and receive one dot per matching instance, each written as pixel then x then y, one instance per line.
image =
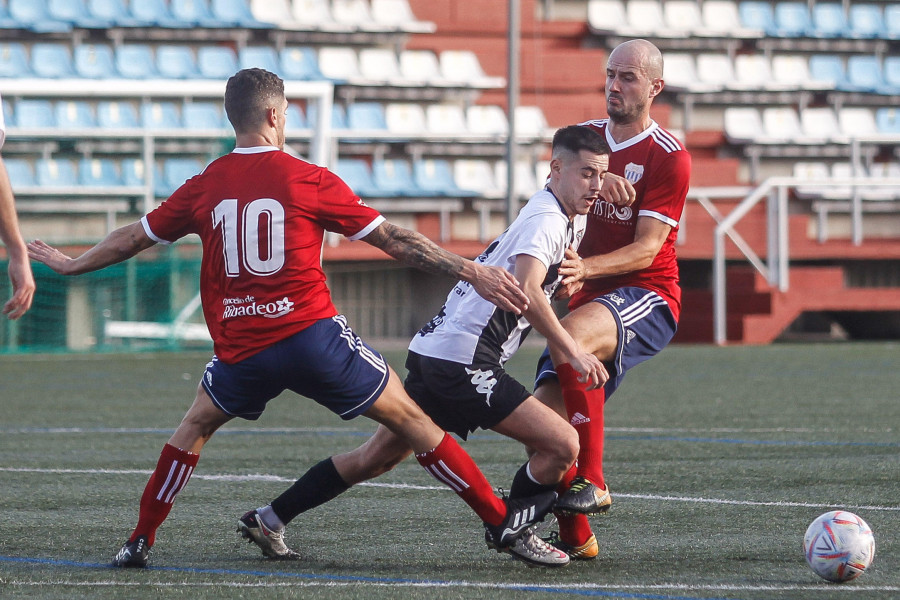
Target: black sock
pixel 317 486
pixel 523 485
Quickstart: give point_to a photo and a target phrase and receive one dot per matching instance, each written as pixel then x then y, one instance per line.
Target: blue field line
pixel 547 589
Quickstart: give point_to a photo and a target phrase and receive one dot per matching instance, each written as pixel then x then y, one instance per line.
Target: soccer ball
pixel 839 546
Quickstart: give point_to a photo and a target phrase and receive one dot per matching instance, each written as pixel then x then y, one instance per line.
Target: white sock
pixel 269 518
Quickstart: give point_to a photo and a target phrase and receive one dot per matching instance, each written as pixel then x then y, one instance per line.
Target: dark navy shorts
pixel 326 362
pixel 646 326
pixel 461 398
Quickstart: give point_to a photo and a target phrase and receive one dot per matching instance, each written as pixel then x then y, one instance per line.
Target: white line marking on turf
pixel 407 486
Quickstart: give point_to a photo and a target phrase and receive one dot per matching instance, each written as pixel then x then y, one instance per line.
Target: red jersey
pixel 261 215
pixel 659 168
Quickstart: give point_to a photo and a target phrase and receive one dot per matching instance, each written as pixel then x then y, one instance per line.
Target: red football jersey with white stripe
pixel 659 168
pixel 261 215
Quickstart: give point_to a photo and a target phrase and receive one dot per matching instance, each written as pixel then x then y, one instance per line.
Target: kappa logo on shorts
pixel 616 299
pixel 484 382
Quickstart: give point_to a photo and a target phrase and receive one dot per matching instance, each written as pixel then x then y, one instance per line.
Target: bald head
pixel 641 54
pixel 633 79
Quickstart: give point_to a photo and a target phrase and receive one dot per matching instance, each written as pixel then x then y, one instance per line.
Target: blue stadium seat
pixel 55 172
pixel 135 61
pixel 892 71
pixel 757 15
pixel 830 21
pixel 95 61
pixel 13 60
pixel 51 61
pixel 156 12
pixel 216 62
pixel 892 21
pixel 295 118
pixel 175 171
pixel 864 73
pixel 197 14
pixel 300 63
pixel 238 13
pixel 98 172
pixel 263 57
pixel 74 114
pixel 176 62
pixel 76 13
pixel 338 116
pixel 21 172
pixel 792 19
pixel 34 114
pixel 160 115
pixel 7 22
pixel 435 177
pixel 866 21
pixel 33 15
pixel 888 120
pixel 393 177
pixel 829 68
pixel 366 116
pixel 133 172
pixel 115 12
pixel 357 174
pixel 202 115
pixel 117 115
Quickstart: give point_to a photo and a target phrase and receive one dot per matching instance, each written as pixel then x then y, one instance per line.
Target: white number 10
pixel 241 235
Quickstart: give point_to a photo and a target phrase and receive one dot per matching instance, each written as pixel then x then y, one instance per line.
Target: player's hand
pixel 617 190
pixel 572 270
pixel 23 288
pixel 568 289
pixel 590 369
pixel 50 256
pixel 498 286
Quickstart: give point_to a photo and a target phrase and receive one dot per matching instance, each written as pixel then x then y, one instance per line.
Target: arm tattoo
pixel 415 250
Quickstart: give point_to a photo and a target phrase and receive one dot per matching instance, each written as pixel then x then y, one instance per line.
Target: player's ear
pixel 656 86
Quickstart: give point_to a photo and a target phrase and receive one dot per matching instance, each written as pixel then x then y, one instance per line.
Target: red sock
pixel 449 464
pixel 172 472
pixel 573 529
pixel 585 410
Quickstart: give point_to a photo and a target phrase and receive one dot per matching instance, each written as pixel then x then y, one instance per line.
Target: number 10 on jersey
pixel 253 237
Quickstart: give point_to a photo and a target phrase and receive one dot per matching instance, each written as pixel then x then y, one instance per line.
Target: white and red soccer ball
pixel 839 546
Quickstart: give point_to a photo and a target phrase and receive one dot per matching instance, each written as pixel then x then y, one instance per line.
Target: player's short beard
pixel 622 115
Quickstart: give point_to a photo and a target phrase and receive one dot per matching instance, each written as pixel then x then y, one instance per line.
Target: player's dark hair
pixel 249 94
pixel 576 138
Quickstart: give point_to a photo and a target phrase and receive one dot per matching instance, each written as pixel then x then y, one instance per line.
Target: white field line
pixel 343 430
pixel 406 486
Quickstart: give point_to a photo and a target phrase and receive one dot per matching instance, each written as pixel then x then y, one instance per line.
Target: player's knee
pixel 568 448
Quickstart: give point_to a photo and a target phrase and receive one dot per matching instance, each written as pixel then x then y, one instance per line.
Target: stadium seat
pixel 355 14
pixel 295 120
pixel 864 73
pixel 115 12
pixel 277 12
pixel 393 177
pixel 405 119
pixel 202 115
pixel 812 172
pixel 477 176
pixel 315 15
pixel 829 20
pixel 55 172
pixel 866 21
pixel 6 21
pixel 175 171
pixel 338 116
pixel 237 14
pixel 434 177
pixel 829 70
pixel 892 21
pixel 781 124
pixel 156 12
pixel 34 15
pixel 683 17
pixel 366 116
pixel 397 15
pixel 380 66
pixel 357 174
pixel 892 71
pixel 420 67
pixel 133 172
pixel 646 17
pixel 135 61
pixel 524 181
pixel 75 12
pixel 753 72
pixel 98 172
pixel 721 18
pixel 792 19
pixel 530 122
pixel 20 171
pixel 216 62
pixel 820 124
pixel 857 121
pixel 339 63
pixel 34 114
pixel 160 115
pixel 606 16
pixel 51 61
pixel 300 63
pixel 756 14
pixel 461 67
pixel 13 60
pixel 176 62
pixel 487 120
pixel 445 119
pixel 117 115
pixel 74 114
pixel 263 57
pixel 95 61
pixel 715 69
pixel 792 71
pixel 196 13
pixel 888 120
pixel 742 124
pixel 681 71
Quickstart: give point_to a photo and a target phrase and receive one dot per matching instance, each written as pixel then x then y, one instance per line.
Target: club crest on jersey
pixel 633 172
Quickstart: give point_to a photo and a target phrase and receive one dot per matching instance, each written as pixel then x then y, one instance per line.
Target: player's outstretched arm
pixel 19 269
pixel 121 244
pixel 494 284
